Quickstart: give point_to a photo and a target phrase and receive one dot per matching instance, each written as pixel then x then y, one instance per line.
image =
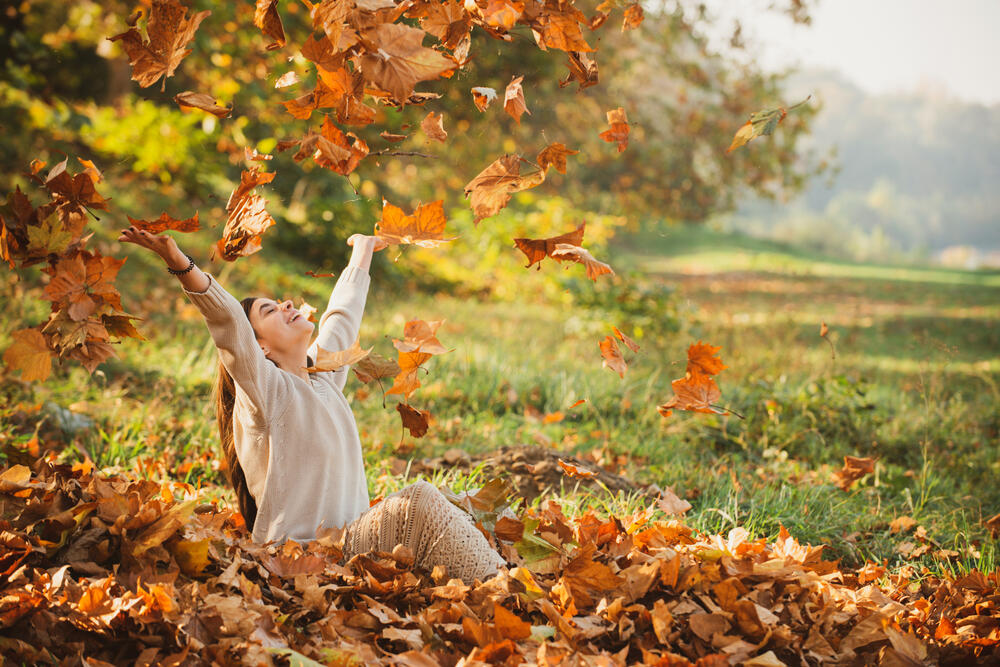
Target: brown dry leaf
pixel 538 249
pixel 502 14
pixel 202 101
pixel 694 393
pixel 702 359
pixel 331 361
pixel 433 127
pixel 562 31
pixel 448 21
pixel 413 419
pixel 247 218
pixel 633 17
pixel 670 503
pixel 854 469
pixel 629 343
pixel 169 31
pixel 266 18
pixel 901 524
pixel 492 187
pixel 375 367
pixel 401 61
pixel 165 222
pixel 595 268
pixel 482 96
pixel 392 138
pixel 554 155
pixel 424 228
pixel 618 129
pixel 30 354
pixel 993 524
pixel 613 356
pixel 582 69
pixel 513 100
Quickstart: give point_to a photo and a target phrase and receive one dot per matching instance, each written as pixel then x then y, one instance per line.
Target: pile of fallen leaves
pixel 100 568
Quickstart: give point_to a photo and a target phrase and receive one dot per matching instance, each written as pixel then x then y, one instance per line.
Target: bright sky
pixel 885 45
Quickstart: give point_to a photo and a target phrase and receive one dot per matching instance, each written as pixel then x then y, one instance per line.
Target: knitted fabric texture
pixel 420 518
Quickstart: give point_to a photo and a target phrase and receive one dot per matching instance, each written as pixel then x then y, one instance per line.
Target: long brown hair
pixel 225 400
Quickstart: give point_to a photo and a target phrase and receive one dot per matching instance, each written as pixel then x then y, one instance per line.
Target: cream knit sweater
pixel 296 440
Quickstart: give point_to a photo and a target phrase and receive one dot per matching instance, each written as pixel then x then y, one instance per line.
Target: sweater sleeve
pixel 242 356
pixel 341 322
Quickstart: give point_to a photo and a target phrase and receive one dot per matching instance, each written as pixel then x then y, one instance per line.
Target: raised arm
pixel 341 321
pixel 238 348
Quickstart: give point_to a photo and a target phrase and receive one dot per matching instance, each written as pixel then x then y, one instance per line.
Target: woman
pixel 290 438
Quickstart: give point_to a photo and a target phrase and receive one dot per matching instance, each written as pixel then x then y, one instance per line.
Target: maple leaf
pixel 266 18
pixel 247 218
pixel 482 96
pixel 633 17
pixel 331 148
pixel 331 361
pixel 419 335
pixel 375 367
pixel 30 354
pixel 631 344
pixel 554 155
pixel 406 380
pixel 570 252
pixel 169 32
pixel 761 123
pixel 854 469
pixel 424 228
pixel 165 222
pixel 448 21
pixel 702 359
pixel 513 99
pixel 612 356
pixel 502 14
pixel 582 69
pixel 73 194
pixel 561 31
pixel 202 101
pixel 401 61
pixel 413 419
pixel 91 354
pixel 78 278
pixel 492 187
pixel 618 129
pixel 433 127
pixel 48 237
pixel 537 249
pixel 695 393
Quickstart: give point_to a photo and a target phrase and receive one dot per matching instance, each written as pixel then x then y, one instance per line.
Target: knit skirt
pixel 420 518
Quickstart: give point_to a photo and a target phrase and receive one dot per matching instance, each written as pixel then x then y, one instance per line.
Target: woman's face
pixel 279 326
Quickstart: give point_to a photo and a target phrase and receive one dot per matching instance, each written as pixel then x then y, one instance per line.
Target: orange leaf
pixel 401 61
pixel 413 419
pixel 406 380
pixel 331 361
pixel 433 127
pixel 854 469
pixel 612 356
pixel 537 249
pixel 424 228
pixel 247 218
pixel 30 354
pixel 633 17
pixel 631 344
pixel 492 187
pixel 510 625
pixel 502 14
pixel 513 100
pixel 618 129
pixel 695 393
pixel 702 359
pixel 266 18
pixel 561 31
pixel 165 222
pixel 576 471
pixel 418 335
pixel 554 155
pixel 482 96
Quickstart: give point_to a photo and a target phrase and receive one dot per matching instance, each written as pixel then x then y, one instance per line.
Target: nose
pixel 287 305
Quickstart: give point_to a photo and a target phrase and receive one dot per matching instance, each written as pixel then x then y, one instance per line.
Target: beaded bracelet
pixel 180 272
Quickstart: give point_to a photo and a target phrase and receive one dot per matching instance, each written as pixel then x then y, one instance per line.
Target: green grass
pixel 915 382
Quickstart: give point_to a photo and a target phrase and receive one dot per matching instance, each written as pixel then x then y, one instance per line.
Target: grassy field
pixel 915 382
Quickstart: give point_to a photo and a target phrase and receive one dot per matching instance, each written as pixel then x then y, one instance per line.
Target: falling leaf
pixel 419 335
pixel 633 17
pixel 492 187
pixel 30 354
pixel 854 469
pixel 554 155
pixel 761 123
pixel 433 127
pixel 165 222
pixel 569 252
pixel 538 249
pixel 483 96
pixel 695 393
pixel 562 31
pixel 266 18
pixel 414 420
pixel 502 14
pixel 424 228
pixel 575 470
pixel 401 61
pixel 287 79
pixel 392 138
pixel 513 100
pixel 375 367
pixel 617 129
pixel 203 102
pixel 582 69
pixel 331 361
pixel 169 32
pixel 612 356
pixel 247 218
pixel 406 380
pixel 702 359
